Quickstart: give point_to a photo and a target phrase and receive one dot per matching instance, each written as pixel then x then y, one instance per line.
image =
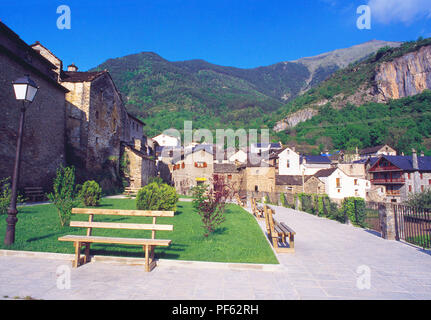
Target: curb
pixel 141 261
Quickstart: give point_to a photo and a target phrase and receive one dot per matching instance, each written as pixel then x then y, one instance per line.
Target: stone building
pixel 99 130
pixel 231 175
pixel 43 149
pixel 400 176
pixel 299 184
pixel 191 169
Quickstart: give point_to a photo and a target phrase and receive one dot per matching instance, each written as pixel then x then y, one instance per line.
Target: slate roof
pixel 316 159
pixel 276 145
pixel 406 162
pixel 225 168
pixel 324 173
pixel 283 180
pixel 69 76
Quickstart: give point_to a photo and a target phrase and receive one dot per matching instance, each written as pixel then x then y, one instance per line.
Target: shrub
pixel 90 193
pixel 354 210
pixel 156 196
pixel 5 195
pixel 283 200
pixel 63 195
pixel 420 200
pixel 157 180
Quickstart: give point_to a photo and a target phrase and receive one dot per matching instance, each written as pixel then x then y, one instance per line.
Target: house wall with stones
pixel 140 167
pixel 195 168
pixel 43 148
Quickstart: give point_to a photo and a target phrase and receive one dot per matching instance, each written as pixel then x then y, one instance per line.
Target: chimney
pixel 415 160
pixel 137 144
pixel 72 68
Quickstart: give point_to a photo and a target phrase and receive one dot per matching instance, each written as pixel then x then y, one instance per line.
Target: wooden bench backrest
pixel 129 226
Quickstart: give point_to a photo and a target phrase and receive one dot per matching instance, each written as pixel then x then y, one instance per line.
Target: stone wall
pixel 43 148
pixel 140 168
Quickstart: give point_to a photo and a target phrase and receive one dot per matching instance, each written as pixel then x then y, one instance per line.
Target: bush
pixel 5 195
pixel 420 200
pixel 90 193
pixel 156 196
pixel 63 195
pixel 354 210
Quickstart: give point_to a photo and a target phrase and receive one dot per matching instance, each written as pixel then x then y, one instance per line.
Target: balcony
pixel 396 193
pixel 385 169
pixel 388 181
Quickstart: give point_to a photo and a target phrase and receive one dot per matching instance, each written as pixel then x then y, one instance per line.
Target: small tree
pixel 210 204
pixel 63 195
pixel 5 195
pixel 420 200
pixel 90 193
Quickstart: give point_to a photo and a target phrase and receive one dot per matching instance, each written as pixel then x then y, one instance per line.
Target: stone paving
pixel 332 261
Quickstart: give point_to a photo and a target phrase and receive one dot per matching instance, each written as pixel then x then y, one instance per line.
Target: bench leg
pixel 87 253
pixel 292 241
pixel 77 254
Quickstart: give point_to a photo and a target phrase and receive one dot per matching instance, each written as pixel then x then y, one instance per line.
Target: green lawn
pixel 239 239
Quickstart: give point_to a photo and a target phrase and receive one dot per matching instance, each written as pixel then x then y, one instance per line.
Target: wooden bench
pixel 241 201
pixel 258 212
pixel 147 244
pixel 278 233
pixel 130 191
pixel 34 193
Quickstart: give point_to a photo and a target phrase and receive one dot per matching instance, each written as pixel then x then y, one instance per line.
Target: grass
pixel 238 240
pixel 422 241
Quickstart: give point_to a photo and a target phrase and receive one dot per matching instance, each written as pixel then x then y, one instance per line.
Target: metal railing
pixel 413 225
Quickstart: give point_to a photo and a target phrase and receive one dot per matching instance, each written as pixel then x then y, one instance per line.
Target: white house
pixel 239 156
pixel 289 163
pixel 338 185
pixel 258 148
pixel 165 140
pixel 292 164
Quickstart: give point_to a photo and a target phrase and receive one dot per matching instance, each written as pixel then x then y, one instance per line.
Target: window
pixel 183 165
pixel 410 188
pixel 422 188
pixel 429 182
pixel 229 177
pixel 356 182
pixel 288 164
pixel 256 188
pixel 422 176
pixel 409 176
pixel 338 181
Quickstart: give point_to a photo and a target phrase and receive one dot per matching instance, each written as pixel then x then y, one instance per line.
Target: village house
pixel 43 149
pixel 191 169
pixel 400 176
pixel 292 163
pixel 338 185
pixel 376 151
pixel 299 184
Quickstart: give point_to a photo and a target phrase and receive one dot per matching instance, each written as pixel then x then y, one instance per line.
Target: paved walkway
pixel 332 261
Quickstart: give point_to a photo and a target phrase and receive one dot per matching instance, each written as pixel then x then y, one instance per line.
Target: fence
pixel 372 218
pixel 413 225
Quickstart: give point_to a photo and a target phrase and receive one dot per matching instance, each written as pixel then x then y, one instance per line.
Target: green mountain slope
pixel 166 94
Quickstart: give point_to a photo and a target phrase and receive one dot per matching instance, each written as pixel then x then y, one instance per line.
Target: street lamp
pixel 25 90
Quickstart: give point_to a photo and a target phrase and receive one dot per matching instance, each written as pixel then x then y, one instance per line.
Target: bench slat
pixel 128 226
pixel 287 227
pixel 134 241
pixel 137 213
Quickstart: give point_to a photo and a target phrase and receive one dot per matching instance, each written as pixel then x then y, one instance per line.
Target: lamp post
pixel 25 90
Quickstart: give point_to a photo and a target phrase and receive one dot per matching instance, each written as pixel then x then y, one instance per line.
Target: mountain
pixel 391 73
pixel 166 93
pixel 384 99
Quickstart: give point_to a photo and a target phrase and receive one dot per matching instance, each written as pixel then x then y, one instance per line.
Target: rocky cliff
pixel 404 76
pixel 380 80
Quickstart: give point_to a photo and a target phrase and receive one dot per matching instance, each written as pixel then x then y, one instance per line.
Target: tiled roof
pixel 406 162
pixel 282 180
pixel 225 168
pixel 69 76
pixel 316 159
pixel 324 173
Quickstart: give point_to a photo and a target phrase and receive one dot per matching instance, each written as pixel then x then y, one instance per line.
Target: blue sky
pixel 240 33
